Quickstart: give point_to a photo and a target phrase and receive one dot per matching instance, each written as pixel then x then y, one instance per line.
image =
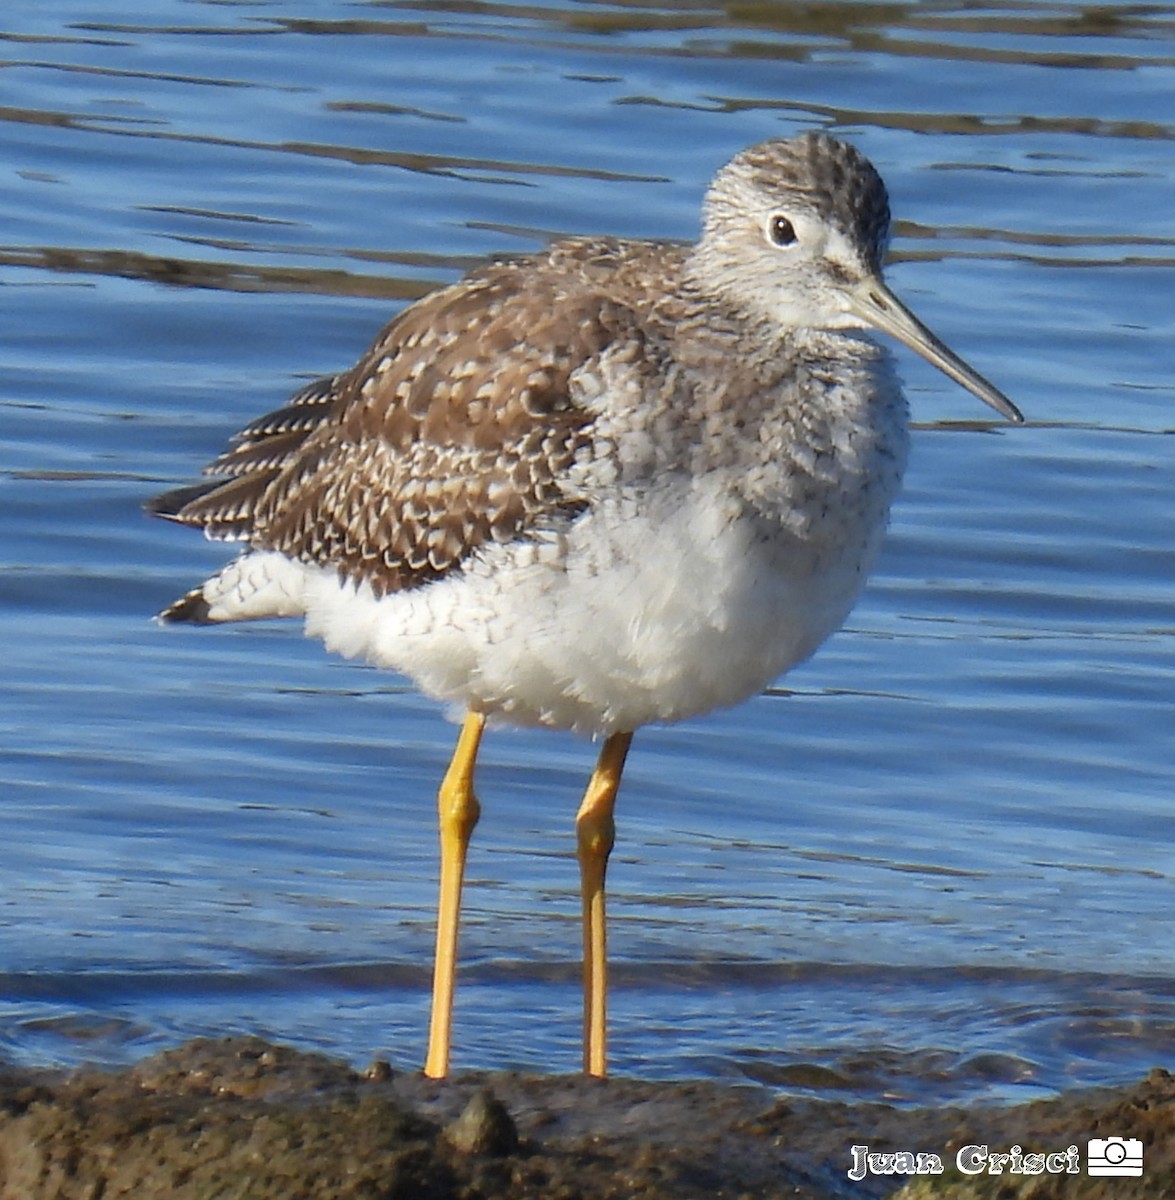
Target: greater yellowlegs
pixel 612 483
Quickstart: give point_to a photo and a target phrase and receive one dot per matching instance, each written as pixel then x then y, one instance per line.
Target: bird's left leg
pixel 458 810
pixel 595 831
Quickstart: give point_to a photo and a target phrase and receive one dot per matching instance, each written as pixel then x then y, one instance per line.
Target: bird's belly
pixel 637 614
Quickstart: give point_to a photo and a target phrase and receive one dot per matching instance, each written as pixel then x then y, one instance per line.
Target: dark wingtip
pixel 191 609
pixel 170 505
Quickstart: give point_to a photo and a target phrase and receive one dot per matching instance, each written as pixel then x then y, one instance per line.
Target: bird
pixel 604 485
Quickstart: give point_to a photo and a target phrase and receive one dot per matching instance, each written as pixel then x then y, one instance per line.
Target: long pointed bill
pixel 873 302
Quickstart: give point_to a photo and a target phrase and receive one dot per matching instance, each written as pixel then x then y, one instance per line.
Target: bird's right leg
pixel 458 810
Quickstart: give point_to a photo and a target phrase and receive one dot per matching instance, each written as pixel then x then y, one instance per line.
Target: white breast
pixel 633 617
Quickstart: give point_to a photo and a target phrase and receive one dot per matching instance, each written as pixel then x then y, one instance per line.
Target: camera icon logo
pixel 1113 1156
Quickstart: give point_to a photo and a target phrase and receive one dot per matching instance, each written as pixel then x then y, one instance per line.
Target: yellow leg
pixel 458 810
pixel 595 831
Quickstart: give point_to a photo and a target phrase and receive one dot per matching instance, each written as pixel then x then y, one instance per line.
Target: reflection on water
pixel 934 862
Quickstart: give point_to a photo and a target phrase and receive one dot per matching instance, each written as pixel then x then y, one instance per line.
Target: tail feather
pixel 191 608
pixel 258 585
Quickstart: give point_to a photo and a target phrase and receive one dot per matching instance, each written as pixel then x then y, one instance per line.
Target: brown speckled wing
pixel 453 431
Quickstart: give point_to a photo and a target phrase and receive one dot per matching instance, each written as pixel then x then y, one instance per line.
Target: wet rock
pixel 240 1119
pixel 379 1071
pixel 247 1067
pixel 484 1127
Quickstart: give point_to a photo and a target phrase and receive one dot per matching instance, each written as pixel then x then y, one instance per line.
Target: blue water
pixel 936 860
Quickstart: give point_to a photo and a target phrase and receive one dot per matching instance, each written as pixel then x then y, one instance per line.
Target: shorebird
pixel 609 484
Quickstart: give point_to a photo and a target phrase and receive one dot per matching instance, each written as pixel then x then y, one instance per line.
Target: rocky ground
pixel 241 1119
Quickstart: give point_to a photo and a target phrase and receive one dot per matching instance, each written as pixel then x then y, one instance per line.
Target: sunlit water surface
pixel 936 862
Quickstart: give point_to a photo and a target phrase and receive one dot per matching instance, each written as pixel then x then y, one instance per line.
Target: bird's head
pixel 794 234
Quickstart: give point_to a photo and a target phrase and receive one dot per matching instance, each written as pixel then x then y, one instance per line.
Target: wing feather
pixel 455 430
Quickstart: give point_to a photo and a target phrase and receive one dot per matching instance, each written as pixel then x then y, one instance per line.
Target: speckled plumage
pixel 612 483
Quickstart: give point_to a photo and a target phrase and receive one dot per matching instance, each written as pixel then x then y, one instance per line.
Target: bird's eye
pixel 781 231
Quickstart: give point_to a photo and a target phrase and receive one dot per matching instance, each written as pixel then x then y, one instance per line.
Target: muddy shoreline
pixel 244 1119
